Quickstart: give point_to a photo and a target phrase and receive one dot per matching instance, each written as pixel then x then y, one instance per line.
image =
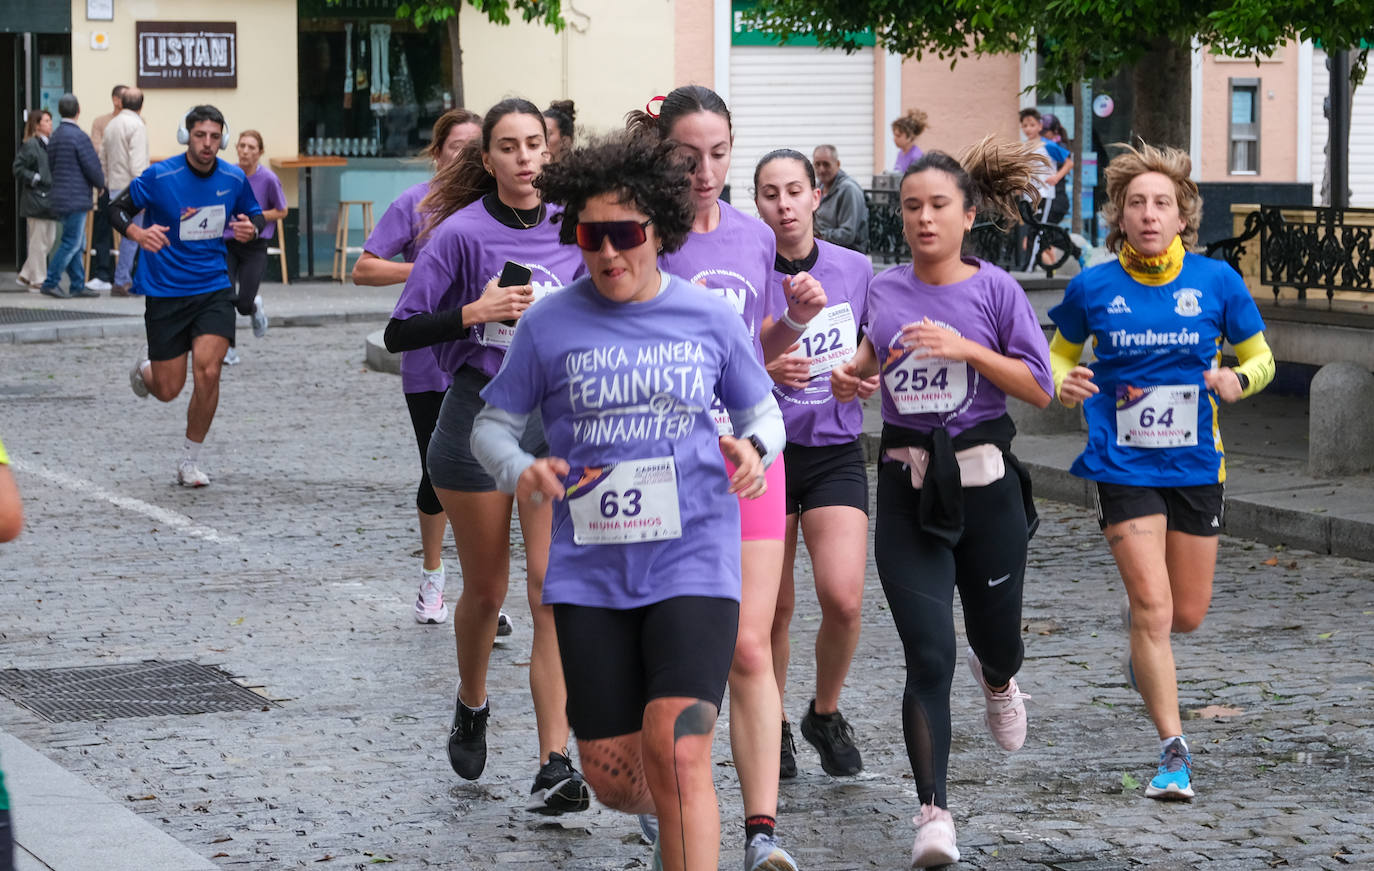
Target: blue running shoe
pixel 1174 782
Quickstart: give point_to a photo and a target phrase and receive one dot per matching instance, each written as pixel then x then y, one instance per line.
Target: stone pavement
pixel 296 569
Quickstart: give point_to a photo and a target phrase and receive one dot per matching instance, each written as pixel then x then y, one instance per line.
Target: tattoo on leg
pixel 1115 539
pixel 698 718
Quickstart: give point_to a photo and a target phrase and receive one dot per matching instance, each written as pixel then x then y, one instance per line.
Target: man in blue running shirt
pixel 189 200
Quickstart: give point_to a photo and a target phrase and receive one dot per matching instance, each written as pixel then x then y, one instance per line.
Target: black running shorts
pixel 616 661
pixel 451 463
pixel 1196 510
pixel 173 322
pixel 826 475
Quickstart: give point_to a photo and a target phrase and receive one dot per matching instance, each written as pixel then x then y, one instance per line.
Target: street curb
pixel 379 359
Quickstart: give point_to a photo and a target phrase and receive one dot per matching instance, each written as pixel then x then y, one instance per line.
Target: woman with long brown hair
pixel 483 212
pixel 34 176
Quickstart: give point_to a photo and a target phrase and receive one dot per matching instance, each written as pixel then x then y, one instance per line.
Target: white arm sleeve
pixel 496 445
pixel 763 420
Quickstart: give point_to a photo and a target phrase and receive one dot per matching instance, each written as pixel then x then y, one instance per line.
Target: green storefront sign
pixel 744 32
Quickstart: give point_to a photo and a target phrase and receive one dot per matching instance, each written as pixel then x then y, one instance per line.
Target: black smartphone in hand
pixel 513 275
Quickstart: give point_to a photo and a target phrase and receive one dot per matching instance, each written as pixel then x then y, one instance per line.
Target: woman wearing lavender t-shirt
pixel 644 571
pixel 827 479
pixel 247 261
pixel 952 337
pixel 402 231
pixel 489 212
pixel 731 255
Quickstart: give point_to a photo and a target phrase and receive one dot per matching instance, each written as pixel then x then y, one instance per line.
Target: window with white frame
pixel 1244 127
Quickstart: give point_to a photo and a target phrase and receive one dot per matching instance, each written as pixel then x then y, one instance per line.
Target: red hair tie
pixel 652 100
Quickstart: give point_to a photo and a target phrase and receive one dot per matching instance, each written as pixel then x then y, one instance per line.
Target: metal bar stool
pixel 341 246
pixel 279 249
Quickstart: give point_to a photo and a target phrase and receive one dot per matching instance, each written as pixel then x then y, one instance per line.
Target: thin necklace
pixel 539 216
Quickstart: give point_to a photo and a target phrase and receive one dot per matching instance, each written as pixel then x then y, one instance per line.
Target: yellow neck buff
pixel 1156 270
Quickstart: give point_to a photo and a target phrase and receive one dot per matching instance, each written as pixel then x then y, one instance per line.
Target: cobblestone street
pixel 296 570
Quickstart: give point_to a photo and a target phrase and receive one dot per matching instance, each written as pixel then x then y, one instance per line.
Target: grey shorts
pixel 451 463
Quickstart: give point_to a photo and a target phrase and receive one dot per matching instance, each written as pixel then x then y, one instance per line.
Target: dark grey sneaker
pixel 558 788
pixel 787 762
pixel 467 740
pixel 833 739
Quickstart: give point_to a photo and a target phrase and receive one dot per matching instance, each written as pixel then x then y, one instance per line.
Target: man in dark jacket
pixel 75 171
pixel 842 217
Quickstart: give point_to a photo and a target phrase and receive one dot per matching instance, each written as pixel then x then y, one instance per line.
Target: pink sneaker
pixel 1006 714
pixel 934 838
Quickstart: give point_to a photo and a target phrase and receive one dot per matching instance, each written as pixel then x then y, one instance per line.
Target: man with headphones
pixel 189 201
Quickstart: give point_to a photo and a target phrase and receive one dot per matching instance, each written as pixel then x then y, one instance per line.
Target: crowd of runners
pixel 664 391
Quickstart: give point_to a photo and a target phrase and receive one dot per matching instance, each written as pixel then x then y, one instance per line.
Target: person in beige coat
pixel 124 152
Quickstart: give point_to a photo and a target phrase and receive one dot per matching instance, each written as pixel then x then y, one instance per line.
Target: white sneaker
pixel 136 381
pixel 935 841
pixel 97 284
pixel 429 605
pixel 231 357
pixel 1006 710
pixel 190 475
pixel 259 318
pixel 503 625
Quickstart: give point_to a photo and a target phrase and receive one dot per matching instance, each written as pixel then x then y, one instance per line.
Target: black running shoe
pixel 787 763
pixel 558 788
pixel 467 741
pixel 833 739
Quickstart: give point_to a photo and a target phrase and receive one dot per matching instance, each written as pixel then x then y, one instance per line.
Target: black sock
pixel 758 824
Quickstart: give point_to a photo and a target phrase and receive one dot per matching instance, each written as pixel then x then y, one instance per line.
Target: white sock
pixel 1165 742
pixel 192 450
pixel 475 710
pixel 435 577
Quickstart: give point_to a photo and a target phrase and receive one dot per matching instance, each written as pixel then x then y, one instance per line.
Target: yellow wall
pixel 611 58
pixel 265 99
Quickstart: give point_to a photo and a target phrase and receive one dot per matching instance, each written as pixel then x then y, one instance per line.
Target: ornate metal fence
pixel 1332 251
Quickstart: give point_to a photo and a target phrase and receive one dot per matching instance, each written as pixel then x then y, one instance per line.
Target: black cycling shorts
pixel 826 475
pixel 617 661
pixel 1196 510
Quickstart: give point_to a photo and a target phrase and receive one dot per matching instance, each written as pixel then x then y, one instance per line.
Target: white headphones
pixel 184 135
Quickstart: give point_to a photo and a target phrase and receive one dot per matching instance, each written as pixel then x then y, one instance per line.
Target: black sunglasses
pixel 624 235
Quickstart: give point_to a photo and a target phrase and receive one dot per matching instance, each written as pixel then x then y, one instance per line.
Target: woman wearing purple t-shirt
pixel 731 255
pixel 401 231
pixel 827 480
pixel 952 337
pixel 485 211
pixel 247 261
pixel 644 572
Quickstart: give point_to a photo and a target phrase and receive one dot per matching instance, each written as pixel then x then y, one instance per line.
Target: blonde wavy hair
pixel 1127 164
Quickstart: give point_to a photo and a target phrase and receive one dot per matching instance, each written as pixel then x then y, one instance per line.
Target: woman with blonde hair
pixel 952 337
pixel 1157 316
pixel 904 132
pixel 34 176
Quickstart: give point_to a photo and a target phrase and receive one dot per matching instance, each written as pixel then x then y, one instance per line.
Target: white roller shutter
pixel 799 97
pixel 1361 136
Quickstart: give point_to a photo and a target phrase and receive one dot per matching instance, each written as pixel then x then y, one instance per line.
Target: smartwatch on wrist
pixel 757 444
pixel 1243 379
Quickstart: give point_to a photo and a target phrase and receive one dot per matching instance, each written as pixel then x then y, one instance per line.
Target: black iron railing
pixel 988 239
pixel 1332 251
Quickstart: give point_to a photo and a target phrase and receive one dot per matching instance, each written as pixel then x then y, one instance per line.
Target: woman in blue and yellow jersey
pixel 1157 318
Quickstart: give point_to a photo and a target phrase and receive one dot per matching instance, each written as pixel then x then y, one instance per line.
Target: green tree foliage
pixel 1080 39
pixel 426 12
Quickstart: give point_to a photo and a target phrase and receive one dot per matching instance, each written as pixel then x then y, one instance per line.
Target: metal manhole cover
pixel 13 314
pixel 144 689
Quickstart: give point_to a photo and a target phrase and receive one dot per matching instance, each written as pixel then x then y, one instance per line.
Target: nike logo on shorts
pixel 992 582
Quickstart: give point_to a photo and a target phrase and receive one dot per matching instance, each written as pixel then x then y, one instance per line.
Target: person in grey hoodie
pixel 75 172
pixel 842 217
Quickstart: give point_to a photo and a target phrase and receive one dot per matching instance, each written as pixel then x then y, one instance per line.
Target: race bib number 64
pixel 1163 416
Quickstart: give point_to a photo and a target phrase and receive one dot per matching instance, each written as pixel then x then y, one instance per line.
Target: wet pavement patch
pixel 144 689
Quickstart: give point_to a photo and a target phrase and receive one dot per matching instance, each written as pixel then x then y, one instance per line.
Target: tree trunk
pixel 455 47
pixel 1351 58
pixel 1163 84
pixel 1083 126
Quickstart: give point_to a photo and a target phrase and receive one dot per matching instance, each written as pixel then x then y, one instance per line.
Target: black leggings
pixel 919 574
pixel 247 262
pixel 424 412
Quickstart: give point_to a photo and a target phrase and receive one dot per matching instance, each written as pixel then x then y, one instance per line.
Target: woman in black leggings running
pixel 953 337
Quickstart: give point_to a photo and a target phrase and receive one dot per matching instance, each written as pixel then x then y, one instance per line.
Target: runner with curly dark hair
pixel 644 566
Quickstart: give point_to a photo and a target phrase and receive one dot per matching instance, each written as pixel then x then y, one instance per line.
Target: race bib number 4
pixel 831 338
pixel 1163 416
pixel 927 386
pixel 206 222
pixel 627 502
